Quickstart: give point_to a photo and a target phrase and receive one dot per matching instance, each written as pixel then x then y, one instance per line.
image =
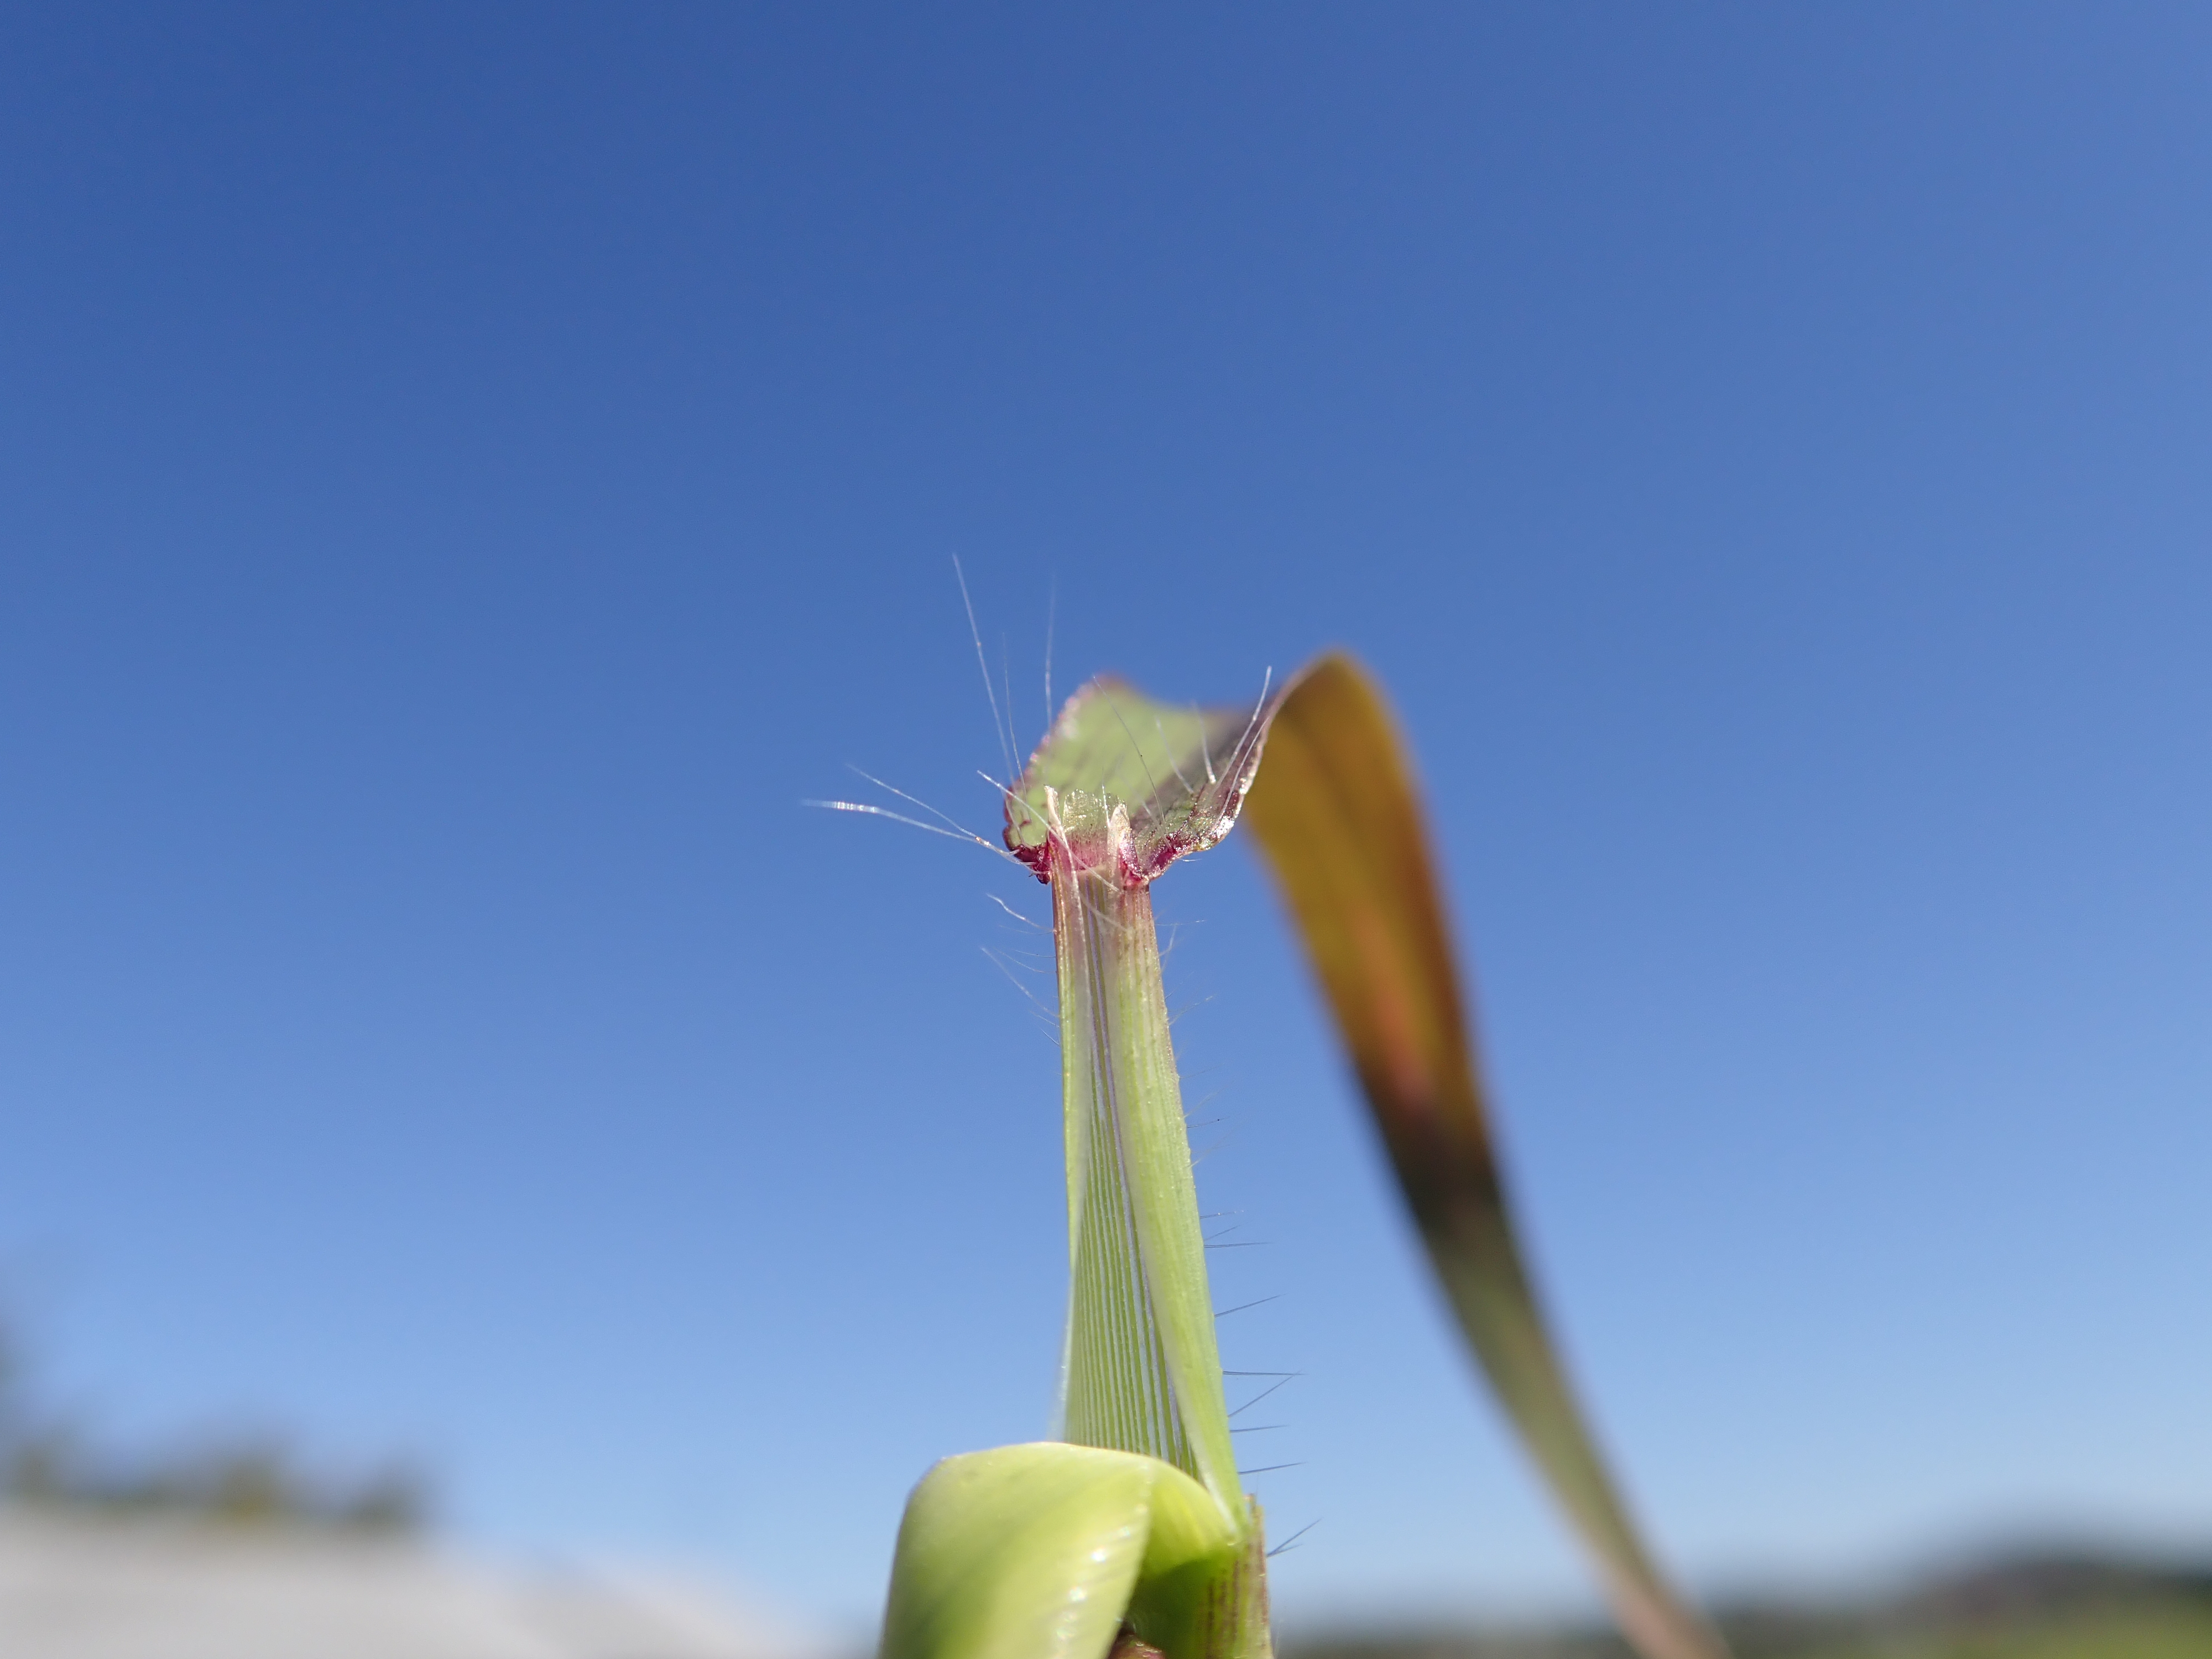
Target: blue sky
pixel 468 473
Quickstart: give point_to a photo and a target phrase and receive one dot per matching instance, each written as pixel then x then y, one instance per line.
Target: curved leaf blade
pixel 1338 818
pixel 1042 1551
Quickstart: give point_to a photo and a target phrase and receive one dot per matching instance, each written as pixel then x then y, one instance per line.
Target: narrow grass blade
pixel 1337 816
pixel 1119 788
pixel 1144 1372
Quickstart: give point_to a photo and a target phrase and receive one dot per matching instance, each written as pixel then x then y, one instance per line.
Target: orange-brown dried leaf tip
pixel 1338 818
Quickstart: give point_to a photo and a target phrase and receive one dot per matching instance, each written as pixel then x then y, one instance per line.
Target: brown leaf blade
pixel 1340 822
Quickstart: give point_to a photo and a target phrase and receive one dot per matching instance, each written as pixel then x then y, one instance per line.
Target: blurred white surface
pixel 74 1588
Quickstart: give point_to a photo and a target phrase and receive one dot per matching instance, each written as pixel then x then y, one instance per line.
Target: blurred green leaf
pixel 1338 818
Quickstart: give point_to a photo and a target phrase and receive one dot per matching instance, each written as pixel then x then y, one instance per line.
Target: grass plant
pixel 1130 1534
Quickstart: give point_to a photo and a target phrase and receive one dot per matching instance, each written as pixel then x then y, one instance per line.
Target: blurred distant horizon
pixel 255 1485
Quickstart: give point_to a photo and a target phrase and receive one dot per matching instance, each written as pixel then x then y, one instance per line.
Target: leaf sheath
pixel 1143 1369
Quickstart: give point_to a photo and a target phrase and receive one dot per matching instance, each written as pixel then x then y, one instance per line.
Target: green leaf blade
pixel 1044 1551
pixel 1338 818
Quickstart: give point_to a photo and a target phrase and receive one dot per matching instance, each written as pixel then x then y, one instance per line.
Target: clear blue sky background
pixel 468 473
